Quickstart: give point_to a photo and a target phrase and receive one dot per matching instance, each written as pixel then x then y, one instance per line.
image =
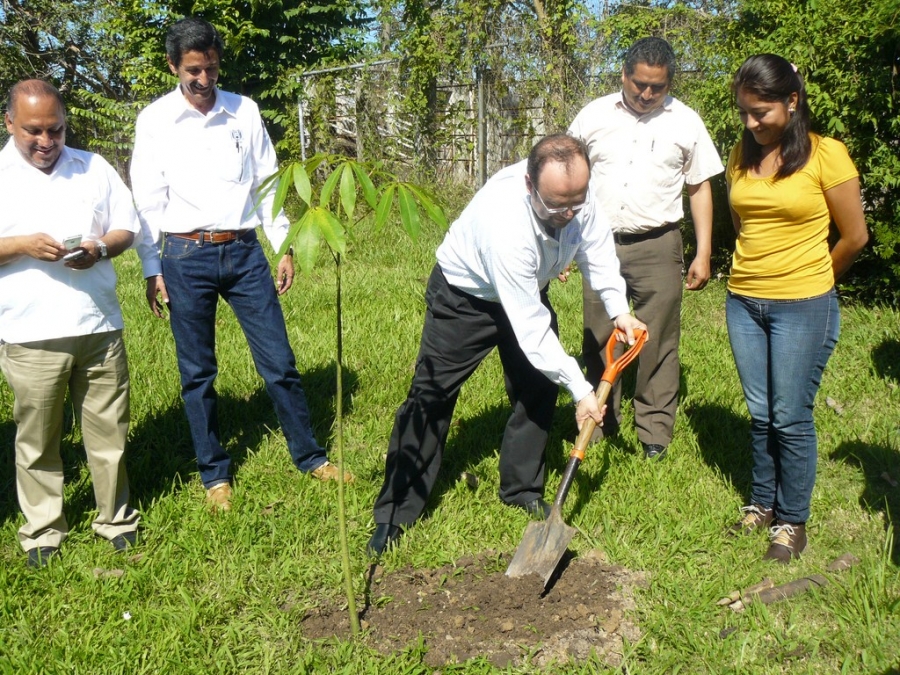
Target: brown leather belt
pixel 202 236
pixel 624 239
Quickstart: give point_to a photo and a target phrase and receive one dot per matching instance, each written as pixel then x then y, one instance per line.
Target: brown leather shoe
pixel 754 518
pixel 786 541
pixel 329 471
pixel 218 497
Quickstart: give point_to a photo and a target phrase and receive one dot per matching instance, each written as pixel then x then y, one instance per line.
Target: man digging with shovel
pixel 489 289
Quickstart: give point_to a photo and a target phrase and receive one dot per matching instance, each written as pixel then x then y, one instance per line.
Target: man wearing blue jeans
pixel 200 155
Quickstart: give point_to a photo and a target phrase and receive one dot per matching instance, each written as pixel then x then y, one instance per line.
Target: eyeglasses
pixel 575 208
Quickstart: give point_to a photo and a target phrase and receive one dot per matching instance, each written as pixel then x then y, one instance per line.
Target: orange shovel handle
pixel 614 367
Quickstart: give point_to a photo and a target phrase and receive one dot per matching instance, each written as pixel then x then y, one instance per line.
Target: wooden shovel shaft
pixel 581 443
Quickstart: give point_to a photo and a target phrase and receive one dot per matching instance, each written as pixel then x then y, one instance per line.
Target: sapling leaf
pixel 306 242
pixel 384 207
pixel 302 184
pixel 328 187
pixel 292 232
pixel 284 184
pixel 435 212
pixel 331 228
pixel 370 194
pixel 409 212
pixel 314 163
pixel 348 191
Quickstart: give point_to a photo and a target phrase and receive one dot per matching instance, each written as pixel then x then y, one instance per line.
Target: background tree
pixel 108 56
pixel 849 53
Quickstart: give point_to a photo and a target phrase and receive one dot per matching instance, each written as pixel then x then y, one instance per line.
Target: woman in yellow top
pixel 785 186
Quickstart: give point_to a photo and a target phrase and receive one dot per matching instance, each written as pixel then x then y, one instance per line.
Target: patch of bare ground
pixel 472 609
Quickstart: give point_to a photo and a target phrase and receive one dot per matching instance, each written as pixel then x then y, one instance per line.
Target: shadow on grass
pixel 881 468
pixel 473 439
pixel 8 503
pixel 480 436
pixel 724 441
pixel 161 452
pixel 886 358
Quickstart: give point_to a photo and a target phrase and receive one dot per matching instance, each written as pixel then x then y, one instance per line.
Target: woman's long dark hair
pixel 772 78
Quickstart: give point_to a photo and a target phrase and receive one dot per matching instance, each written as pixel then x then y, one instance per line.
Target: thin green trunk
pixel 339 449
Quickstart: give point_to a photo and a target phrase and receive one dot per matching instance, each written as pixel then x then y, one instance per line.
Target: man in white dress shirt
pixel 644 146
pixel 489 289
pixel 60 321
pixel 200 155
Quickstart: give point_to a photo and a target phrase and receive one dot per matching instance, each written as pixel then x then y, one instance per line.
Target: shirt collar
pixel 11 157
pixel 223 105
pixel 666 106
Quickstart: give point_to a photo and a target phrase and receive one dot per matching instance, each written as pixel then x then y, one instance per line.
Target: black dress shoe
pixel 124 541
pixel 536 508
pixel 40 556
pixel 654 451
pixel 384 536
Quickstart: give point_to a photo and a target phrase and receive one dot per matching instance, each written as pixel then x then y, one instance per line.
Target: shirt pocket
pixel 230 153
pixel 69 215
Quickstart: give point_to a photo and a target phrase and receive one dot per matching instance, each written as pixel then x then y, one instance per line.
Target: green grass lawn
pixel 226 594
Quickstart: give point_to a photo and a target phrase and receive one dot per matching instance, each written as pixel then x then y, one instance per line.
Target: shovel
pixel 545 543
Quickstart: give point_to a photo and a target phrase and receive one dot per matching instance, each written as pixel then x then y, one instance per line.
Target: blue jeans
pixel 780 348
pixel 196 274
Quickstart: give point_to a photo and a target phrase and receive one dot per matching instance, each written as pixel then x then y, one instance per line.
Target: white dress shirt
pixel 193 171
pixel 82 195
pixel 640 163
pixel 497 251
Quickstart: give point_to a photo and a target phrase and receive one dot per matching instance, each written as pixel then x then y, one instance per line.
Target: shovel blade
pixel 542 547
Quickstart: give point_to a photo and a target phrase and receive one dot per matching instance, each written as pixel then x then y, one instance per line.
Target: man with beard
pixel 489 289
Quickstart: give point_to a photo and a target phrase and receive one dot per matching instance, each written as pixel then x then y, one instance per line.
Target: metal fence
pixel 477 126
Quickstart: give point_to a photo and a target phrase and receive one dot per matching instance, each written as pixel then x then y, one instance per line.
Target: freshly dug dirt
pixel 471 609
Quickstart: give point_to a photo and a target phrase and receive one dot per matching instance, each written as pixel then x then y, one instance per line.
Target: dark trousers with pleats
pixel 460 331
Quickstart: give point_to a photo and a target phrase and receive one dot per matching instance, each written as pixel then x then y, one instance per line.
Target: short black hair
pixel 32 88
pixel 560 148
pixel 654 52
pixel 192 35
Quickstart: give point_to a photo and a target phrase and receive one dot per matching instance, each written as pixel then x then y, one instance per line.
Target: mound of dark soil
pixel 471 609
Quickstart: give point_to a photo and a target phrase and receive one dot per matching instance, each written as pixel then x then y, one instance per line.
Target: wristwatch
pixel 101 246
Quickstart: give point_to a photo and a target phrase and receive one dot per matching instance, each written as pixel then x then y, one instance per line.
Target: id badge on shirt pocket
pixel 234 162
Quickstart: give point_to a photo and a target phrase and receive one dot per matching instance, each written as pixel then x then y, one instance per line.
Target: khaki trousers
pixel 653 270
pixel 94 371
